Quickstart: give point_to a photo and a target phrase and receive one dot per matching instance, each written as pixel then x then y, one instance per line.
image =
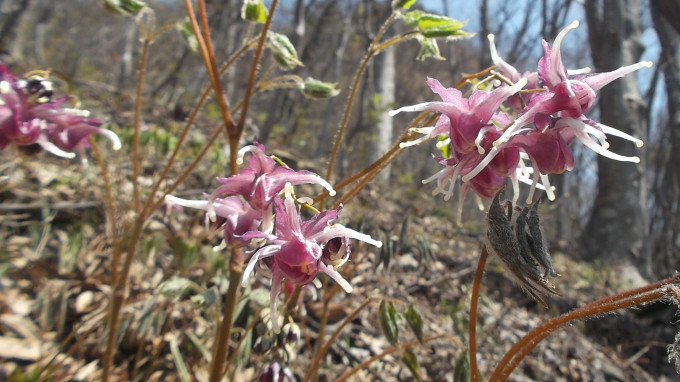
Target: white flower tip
pixel 635 160
pixel 113 138
pixel 348 289
pixel 403 145
pixel 239 161
pixel 639 143
pixel 331 192
pixel 491 37
pixel 392 113
pixel 378 244
pixel 522 82
pixel 647 64
pixel 480 150
pixel 574 24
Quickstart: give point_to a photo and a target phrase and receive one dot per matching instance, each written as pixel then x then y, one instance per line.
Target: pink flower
pixel 263 179
pixel 469 125
pixel 29 115
pixel 553 118
pixel 296 252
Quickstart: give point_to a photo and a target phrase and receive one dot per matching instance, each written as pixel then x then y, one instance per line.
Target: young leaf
pixel 402 4
pixel 431 25
pixel 415 321
pixel 462 371
pixel 388 322
pixel 411 361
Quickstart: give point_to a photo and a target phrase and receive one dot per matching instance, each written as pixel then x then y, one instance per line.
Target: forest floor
pixel 55 277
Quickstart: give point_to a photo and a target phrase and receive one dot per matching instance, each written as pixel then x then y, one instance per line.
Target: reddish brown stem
pixel 474 300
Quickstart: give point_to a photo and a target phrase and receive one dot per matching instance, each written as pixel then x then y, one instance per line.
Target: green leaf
pixel 254 11
pixel 411 361
pixel 462 371
pixel 388 322
pixel 402 4
pixel 431 25
pixel 415 321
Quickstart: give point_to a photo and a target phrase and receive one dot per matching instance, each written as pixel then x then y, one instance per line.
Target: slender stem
pixel 327 345
pixel 211 64
pixel 380 163
pixel 387 352
pixel 254 66
pixel 221 344
pixel 472 326
pixel 137 123
pixel 250 326
pixel 112 229
pixel 352 94
pixel 118 295
pixel 605 305
pixel 185 132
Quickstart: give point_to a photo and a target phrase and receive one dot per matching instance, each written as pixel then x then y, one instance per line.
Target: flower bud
pixel 255 11
pixel 283 51
pixel 187 33
pixel 291 333
pixel 124 7
pixel 316 89
pixel 275 373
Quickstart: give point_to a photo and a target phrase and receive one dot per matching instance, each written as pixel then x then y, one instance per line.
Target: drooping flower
pixel 263 179
pixel 240 222
pixel 296 252
pixel 468 124
pixel 554 117
pixel 29 115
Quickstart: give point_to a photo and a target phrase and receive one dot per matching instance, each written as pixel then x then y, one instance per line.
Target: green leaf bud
pixel 316 89
pixel 283 51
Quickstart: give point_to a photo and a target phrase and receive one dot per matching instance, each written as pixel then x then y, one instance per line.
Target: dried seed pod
pixel 503 241
pixel 538 245
pixel 523 238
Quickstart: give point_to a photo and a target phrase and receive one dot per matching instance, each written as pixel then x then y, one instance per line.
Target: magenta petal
pixel 298 261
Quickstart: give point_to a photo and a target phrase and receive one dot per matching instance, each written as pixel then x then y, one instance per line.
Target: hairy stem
pixel 605 305
pixel 472 327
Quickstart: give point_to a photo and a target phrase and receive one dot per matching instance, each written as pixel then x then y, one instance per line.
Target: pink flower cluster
pixel 488 145
pixel 260 210
pixel 29 115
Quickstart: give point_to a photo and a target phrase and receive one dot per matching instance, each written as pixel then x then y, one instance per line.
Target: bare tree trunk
pixel 616 229
pixel 667 194
pixel 386 80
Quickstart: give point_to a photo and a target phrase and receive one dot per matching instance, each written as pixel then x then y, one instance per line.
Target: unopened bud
pixel 124 7
pixel 428 49
pixel 254 11
pixel 275 373
pixel 316 89
pixel 283 51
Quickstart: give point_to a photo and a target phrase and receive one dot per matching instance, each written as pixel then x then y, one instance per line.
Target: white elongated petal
pixel 198 204
pixel 112 137
pixel 336 276
pixel 618 133
pixel 419 107
pixel 339 230
pixel 52 148
pixel 261 253
pixel 586 140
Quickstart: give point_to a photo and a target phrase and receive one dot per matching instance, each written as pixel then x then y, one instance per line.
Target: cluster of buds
pixel 30 115
pixel 485 144
pixel 257 208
